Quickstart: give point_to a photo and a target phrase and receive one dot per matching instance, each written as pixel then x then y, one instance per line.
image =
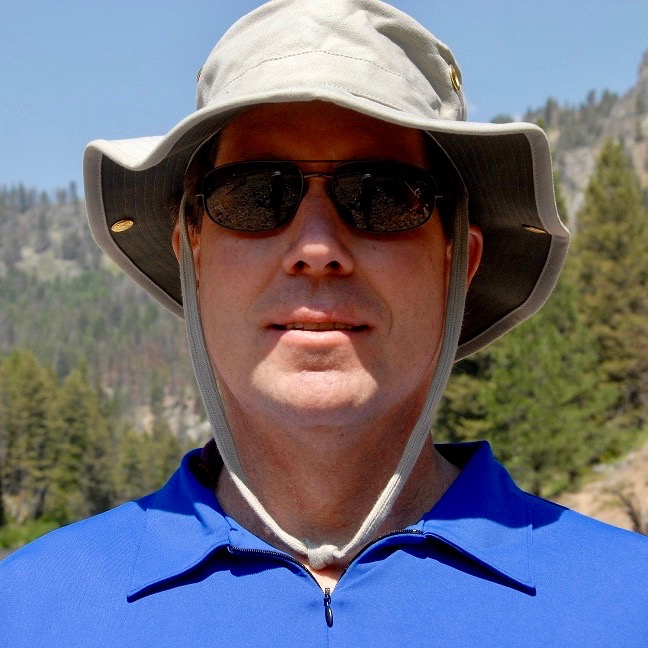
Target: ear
pixel 194 242
pixel 175 241
pixel 475 249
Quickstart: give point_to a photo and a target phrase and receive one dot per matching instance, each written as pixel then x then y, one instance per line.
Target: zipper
pixel 379 539
pixel 328 610
pixel 328 613
pixel 276 554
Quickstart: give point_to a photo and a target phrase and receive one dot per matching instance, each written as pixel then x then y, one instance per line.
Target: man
pixel 328 208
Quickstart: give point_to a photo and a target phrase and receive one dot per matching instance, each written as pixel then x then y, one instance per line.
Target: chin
pixel 320 399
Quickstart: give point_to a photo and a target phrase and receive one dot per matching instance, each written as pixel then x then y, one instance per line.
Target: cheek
pixel 420 306
pixel 414 274
pixel 229 277
pixel 412 279
pixel 230 271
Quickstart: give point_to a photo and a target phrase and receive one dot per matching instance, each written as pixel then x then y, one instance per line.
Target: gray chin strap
pixel 321 556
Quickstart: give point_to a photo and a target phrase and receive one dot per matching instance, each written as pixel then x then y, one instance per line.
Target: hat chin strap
pixel 321 556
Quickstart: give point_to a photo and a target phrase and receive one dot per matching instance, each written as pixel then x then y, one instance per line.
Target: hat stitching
pixel 146 186
pixel 346 56
pixel 382 102
pixel 116 193
pixel 174 182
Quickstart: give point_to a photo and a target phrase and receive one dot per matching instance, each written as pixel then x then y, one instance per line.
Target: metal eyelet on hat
pixel 454 78
pixel 534 230
pixel 122 225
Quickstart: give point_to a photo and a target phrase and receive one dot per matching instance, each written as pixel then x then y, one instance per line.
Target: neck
pixel 319 484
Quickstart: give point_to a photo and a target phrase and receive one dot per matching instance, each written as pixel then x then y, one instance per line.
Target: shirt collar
pixel 184 525
pixel 483 514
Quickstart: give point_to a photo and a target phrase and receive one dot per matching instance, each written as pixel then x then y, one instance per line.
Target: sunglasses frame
pixel 341 209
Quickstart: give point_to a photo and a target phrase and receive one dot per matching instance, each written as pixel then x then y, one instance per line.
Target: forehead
pixel 316 131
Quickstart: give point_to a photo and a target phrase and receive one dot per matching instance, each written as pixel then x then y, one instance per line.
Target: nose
pixel 318 240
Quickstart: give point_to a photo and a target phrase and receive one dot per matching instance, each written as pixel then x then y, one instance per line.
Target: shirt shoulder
pixel 100 543
pixel 568 545
pixel 563 522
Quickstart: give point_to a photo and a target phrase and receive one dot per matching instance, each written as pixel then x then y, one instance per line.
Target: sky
pixel 76 70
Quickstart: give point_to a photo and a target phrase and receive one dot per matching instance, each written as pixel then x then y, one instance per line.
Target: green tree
pixel 612 270
pixel 27 453
pixel 64 453
pixel 82 479
pixel 131 475
pixel 145 461
pixel 535 394
pixel 166 452
pixel 502 118
pixel 538 398
pixel 3 515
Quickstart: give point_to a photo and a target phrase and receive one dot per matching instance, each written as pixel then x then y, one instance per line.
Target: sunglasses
pixel 370 195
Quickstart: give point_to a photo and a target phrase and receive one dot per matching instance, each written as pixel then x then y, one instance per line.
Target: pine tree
pixel 3 515
pixel 26 394
pixel 82 477
pixel 166 452
pixel 613 277
pixel 539 399
pixel 535 395
pixel 146 461
pixel 132 470
pixel 547 405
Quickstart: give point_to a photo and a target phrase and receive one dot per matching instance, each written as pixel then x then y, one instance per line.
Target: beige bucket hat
pixel 366 56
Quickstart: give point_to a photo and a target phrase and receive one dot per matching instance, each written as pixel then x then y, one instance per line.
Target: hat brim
pixel 506 169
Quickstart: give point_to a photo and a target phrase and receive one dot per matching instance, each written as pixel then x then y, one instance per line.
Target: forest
pixel 568 389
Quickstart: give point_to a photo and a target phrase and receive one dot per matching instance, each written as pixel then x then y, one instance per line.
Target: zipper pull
pixel 328 613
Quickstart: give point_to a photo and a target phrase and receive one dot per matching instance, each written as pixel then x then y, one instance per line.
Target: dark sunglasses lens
pixel 384 197
pixel 252 197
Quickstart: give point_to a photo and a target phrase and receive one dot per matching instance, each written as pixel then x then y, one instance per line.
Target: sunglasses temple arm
pixel 200 199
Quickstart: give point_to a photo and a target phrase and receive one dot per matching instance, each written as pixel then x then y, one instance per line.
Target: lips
pixel 317 320
pixel 320 321
pixel 319 326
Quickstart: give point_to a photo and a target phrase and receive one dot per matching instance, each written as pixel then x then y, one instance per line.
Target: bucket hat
pixel 366 56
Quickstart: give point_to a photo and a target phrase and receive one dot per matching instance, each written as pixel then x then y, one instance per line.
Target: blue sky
pixel 72 70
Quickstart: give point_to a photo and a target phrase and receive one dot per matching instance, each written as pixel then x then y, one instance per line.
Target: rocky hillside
pixel 64 300
pixel 578 133
pixel 617 493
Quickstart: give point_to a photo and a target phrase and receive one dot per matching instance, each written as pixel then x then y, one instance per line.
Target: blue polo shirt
pixel 489 565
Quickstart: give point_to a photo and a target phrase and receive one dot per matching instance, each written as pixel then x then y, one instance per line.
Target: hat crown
pixel 290 50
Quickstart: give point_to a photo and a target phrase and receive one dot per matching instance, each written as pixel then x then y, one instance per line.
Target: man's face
pixel 317 323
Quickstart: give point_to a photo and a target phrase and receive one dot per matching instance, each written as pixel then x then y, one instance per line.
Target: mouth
pixel 318 326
